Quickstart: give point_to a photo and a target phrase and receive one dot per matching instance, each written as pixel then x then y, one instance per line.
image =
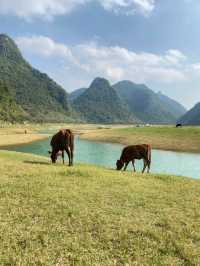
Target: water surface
pixel 106 154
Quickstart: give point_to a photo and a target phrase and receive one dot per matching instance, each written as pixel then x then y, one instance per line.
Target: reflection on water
pixel 106 154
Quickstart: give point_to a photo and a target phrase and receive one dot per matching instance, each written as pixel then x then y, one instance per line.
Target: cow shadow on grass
pixel 37 162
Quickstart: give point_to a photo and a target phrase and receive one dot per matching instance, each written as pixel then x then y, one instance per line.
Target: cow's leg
pixel 63 159
pixel 69 155
pixel 148 164
pixel 145 165
pixel 133 163
pixel 126 164
pixel 72 157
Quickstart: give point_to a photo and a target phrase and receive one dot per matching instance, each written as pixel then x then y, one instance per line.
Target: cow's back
pixel 61 139
pixel 135 152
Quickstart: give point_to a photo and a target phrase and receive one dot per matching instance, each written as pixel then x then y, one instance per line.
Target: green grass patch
pixel 87 215
pixel 186 139
pixel 167 131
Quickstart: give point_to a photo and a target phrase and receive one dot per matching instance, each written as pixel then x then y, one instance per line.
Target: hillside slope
pixel 101 104
pixel 174 106
pixel 39 96
pixel 10 111
pixel 76 93
pixel 147 105
pixel 192 117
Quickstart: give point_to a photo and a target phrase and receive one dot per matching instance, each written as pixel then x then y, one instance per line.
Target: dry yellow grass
pixel 16 135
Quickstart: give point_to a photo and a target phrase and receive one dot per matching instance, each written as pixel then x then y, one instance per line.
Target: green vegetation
pixel 75 94
pixel 192 117
pixel 101 104
pixel 9 109
pixel 38 95
pixel 148 106
pixel 160 137
pixel 86 215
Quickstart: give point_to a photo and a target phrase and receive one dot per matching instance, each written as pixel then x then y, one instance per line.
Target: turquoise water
pixel 106 154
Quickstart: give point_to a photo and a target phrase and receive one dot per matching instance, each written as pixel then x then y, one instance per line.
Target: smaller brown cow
pixel 130 153
pixel 60 142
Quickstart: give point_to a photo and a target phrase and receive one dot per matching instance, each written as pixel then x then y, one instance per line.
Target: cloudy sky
pixel 156 42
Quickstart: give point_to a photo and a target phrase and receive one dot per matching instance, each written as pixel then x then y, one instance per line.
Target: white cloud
pixel 43 46
pixel 129 6
pixel 47 9
pixel 196 67
pixel 39 8
pixel 114 63
pixel 175 56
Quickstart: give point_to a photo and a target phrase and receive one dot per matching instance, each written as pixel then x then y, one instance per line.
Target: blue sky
pixel 156 42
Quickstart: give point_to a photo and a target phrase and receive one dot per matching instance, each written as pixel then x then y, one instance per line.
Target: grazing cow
pixel 179 125
pixel 60 142
pixel 130 153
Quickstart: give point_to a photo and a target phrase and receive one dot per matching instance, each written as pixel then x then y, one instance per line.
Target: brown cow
pixel 62 141
pixel 130 153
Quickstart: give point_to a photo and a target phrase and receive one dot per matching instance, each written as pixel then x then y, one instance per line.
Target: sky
pixel 156 42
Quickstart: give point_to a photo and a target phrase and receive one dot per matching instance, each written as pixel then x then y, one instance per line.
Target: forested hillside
pixel 40 97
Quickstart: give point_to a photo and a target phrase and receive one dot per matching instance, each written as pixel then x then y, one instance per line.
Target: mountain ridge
pixel 147 105
pixel 144 104
pixel 37 94
pixel 100 103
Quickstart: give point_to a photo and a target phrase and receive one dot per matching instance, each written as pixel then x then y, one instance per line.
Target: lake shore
pixel 20 134
pixel 186 139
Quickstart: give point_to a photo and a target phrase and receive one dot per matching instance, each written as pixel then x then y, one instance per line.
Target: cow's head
pixel 53 156
pixel 119 164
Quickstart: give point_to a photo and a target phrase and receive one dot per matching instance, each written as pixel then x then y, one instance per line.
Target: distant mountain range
pixel 192 117
pixel 136 102
pixel 28 94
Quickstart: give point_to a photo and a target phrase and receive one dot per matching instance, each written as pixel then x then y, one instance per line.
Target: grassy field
pixel 86 215
pixel 160 137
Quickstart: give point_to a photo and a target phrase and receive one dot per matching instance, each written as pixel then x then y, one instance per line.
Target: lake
pixel 106 154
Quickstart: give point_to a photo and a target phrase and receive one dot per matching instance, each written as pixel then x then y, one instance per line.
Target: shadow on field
pixel 36 162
